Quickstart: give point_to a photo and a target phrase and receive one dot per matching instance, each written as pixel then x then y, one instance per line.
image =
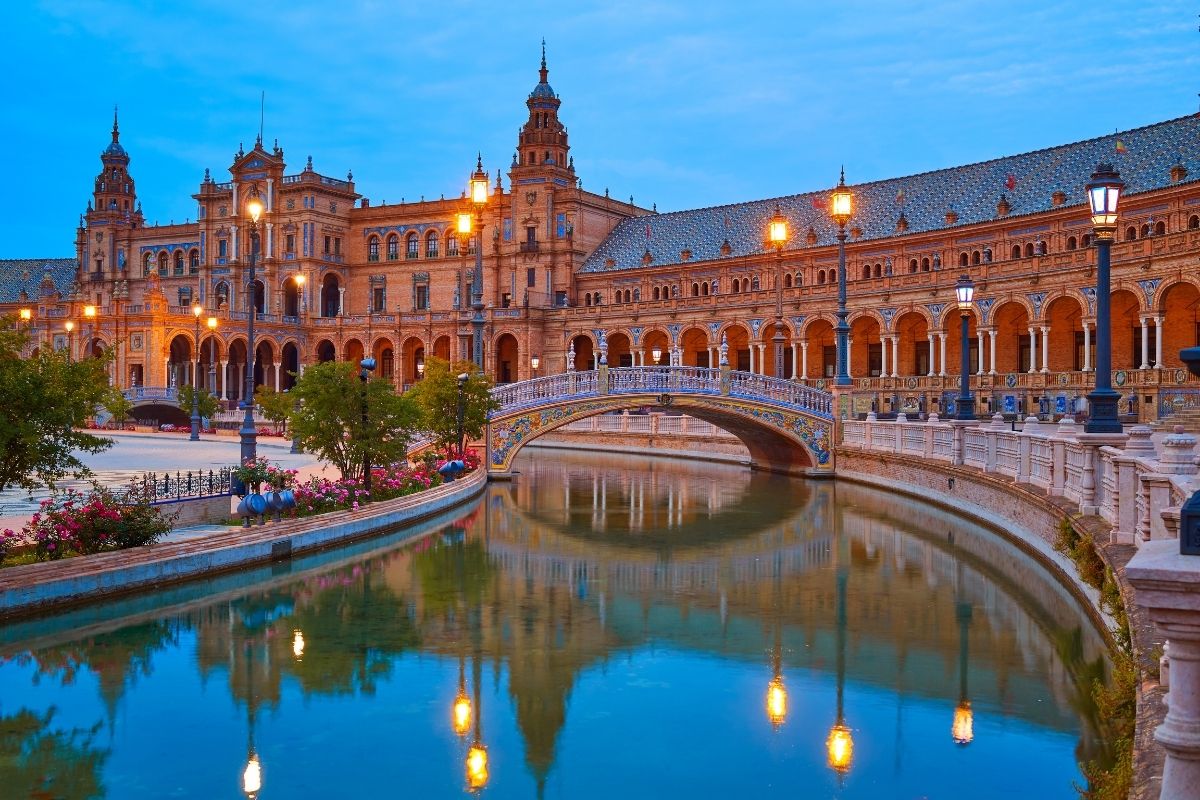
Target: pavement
pixel 135 453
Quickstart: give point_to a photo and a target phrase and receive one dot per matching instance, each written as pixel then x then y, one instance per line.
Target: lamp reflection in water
pixel 776 691
pixel 462 704
pixel 963 728
pixel 298 644
pixel 839 746
pixel 477 755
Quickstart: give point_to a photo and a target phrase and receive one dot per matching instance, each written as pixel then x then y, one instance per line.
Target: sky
pixel 680 104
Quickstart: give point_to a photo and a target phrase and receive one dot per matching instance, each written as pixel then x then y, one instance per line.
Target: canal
pixel 602 626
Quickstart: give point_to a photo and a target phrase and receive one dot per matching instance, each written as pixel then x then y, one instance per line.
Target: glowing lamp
pixel 252 776
pixel 479 184
pixel 841 202
pixel 70 326
pixel 197 310
pixel 534 362
pixel 254 208
pixel 1104 193
pixel 297 644
pixel 477 767
pixel 776 702
pixel 964 290
pixel 963 729
pixel 89 312
pixel 299 278
pixel 462 714
pixel 212 323
pixel 26 314
pixel 777 230
pixel 840 748
pixel 657 354
pixel 462 223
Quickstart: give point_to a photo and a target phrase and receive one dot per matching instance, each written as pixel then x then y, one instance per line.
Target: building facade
pixel 568 273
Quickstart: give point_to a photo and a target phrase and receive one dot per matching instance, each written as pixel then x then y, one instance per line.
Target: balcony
pixel 529 247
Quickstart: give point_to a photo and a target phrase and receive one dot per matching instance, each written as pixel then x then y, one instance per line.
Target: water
pixel 609 626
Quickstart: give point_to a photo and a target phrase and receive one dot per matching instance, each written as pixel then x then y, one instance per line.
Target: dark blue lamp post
pixel 1189 514
pixel 964 291
pixel 841 208
pixel 1104 193
pixel 249 434
pixel 367 366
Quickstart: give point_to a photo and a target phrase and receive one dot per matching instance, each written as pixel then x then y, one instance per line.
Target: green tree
pixel 330 424
pixel 436 396
pixel 118 405
pixel 208 405
pixel 43 399
pixel 276 406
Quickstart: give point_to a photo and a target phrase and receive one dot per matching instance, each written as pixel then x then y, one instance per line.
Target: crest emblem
pixel 531 197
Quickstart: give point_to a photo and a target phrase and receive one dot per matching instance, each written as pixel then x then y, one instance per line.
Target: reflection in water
pixel 616 624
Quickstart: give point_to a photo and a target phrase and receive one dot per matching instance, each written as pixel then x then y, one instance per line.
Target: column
pixel 795 361
pixel 762 360
pixel 992 351
pixel 168 374
pixel 896 356
pixel 751 359
pixel 1158 340
pixel 341 300
pixel 1045 349
pixel 277 389
pixel 1087 346
pixel 980 351
pixel 234 241
pixel 804 358
pixel 883 356
pixel 942 353
pixel 271 248
pixel 1033 350
pixel 1145 345
pixel 224 380
pixel 270 194
pixel 932 361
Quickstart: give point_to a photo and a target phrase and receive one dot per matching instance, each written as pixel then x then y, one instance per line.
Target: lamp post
pixel 70 326
pixel 479 197
pixel 249 434
pixel 1104 194
pixel 841 209
pixel 89 313
pixel 777 235
pixel 197 310
pixel 212 355
pixel 964 290
pixel 420 369
pixel 366 365
pixel 461 412
pixel 533 363
pixel 656 354
pixel 300 307
pixel 26 316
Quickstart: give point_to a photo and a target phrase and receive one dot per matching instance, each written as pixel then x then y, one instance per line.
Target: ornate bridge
pixel 785 426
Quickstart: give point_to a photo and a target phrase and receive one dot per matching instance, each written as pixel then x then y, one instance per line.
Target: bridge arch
pixel 785 426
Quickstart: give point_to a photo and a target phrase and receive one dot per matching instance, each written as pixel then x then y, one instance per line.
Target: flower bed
pixel 74 523
pixel 320 495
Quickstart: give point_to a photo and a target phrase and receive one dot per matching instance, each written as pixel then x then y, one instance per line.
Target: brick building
pixel 562 265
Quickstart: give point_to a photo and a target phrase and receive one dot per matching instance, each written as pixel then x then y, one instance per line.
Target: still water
pixel 603 626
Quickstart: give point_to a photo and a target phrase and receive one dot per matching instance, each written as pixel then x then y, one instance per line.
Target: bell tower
pixel 113 212
pixel 542 147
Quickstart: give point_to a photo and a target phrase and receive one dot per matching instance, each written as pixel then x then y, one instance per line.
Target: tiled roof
pixel 17 274
pixel 973 192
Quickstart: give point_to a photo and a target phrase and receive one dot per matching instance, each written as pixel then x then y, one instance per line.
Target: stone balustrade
pixel 1134 484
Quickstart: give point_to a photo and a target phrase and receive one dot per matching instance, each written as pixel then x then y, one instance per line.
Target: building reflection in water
pixel 583 559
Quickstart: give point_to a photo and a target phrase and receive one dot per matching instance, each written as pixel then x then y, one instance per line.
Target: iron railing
pixel 184 485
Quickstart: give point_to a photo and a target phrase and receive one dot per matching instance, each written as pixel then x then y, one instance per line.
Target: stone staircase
pixel 1187 418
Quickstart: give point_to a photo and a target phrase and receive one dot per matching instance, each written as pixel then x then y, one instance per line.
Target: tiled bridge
pixel 787 427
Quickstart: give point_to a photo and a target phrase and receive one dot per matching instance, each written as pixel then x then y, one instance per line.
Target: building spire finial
pixel 116 130
pixel 544 72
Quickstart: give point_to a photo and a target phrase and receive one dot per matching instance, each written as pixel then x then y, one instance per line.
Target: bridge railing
pixel 151 393
pixel 664 379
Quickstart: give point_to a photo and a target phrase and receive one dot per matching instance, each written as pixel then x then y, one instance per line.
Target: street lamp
pixel 462 385
pixel 26 315
pixel 1104 194
pixel 89 313
pixel 777 236
pixel 70 326
pixel 367 365
pixel 479 198
pixel 656 353
pixel 212 355
pixel 534 362
pixel 249 434
pixel 421 369
pixel 299 279
pixel 197 310
pixel 964 290
pixel 841 208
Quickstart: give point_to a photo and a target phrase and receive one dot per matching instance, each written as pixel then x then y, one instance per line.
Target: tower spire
pixel 544 72
pixel 116 130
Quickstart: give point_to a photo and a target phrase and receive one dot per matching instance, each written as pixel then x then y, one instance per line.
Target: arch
pixel 1160 228
pixel 1064 315
pixel 392 247
pixel 412 353
pixel 384 354
pixel 506 360
pixel 1145 229
pixel 178 270
pixel 866 345
pixel 1180 306
pixel 695 289
pixel 1131 233
pixel 291 297
pixel 820 277
pixel 866 271
pixel 331 296
pixel 235 370
pixel 412 245
pixel 373 248
pixel 1193 222
pixel 768 335
pixel 652 338
pixel 1011 321
pixel 963 259
pixel 162 264
pixel 953 327
pixel 584 352
pixel 737 336
pixel 264 363
pixel 620 350
pixel 913 329
pixel 326 351
pixel 289 364
pixel 451 243
pixel 694 345
pixel 1016 251
pixel 1127 311
pixel 147 264
pixel 210 354
pixel 194 260
pixel 431 244
pixel 353 351
pixel 912 265
pixel 179 359
pixel 259 293
pixel 1072 243
pixel 221 293
pixel 441 348
pixel 704 289
pixel 925 264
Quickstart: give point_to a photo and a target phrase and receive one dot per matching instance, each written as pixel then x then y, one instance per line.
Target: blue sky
pixel 682 104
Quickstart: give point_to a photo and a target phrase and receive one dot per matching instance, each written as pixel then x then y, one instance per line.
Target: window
pixel 596 299
pixel 451 244
pixel 393 247
pixel 431 244
pixel 695 290
pixel 422 298
pixel 560 298
pixel 194 262
pixel 704 289
pixel 530 277
pixel 1130 233
pixel 976 257
pixel 820 277
pixel 1016 251
pixel 162 264
pixel 328 241
pixel 337 245
pixel 963 260
pixel 1160 228
pixel 1193 222
pixel 628 296
pixel 411 246
pixel 879 270
pixel 925 264
pixel 1086 241
pixel 506 300
pixel 754 283
pixel 987 255
pixel 654 294
pixel 373 249
pixel 147 264
pixel 912 265
pixel 1029 250
pixel 1071 243
pixel 291 243
pixel 866 271
pixel 378 300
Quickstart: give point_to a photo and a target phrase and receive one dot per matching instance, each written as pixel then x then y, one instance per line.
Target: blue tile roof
pixel 973 192
pixel 17 274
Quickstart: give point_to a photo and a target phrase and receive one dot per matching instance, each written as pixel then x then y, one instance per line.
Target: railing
pixel 181 485
pixel 664 380
pixel 1138 488
pixel 151 393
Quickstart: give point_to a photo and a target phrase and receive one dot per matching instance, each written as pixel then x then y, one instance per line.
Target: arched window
pixel 704 288
pixel 1130 233
pixel 737 285
pixel 654 294
pixel 912 265
pixel 194 261
pixel 1145 230
pixel 596 299
pixel 178 262
pixel 963 260
pixel 1160 228
pixel 1029 250
pixel 695 290
pixel 799 279
pixel 820 277
pixel 373 249
pixel 987 255
pixel 1016 251
pixel 975 257
pixel 1086 241
pixel 754 283
pixel 787 281
pixel 411 246
pixel 628 296
pixel 451 244
pixel 431 244
pixel 879 270
pixel 147 264
pixel 866 271
pixel 1072 243
pixel 637 295
pixel 393 247
pixel 162 264
pixel 1193 222
pixel 587 298
pixel 1042 247
pixel 925 264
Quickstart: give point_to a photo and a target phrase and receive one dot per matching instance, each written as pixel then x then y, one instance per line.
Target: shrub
pixel 8 540
pixel 95 522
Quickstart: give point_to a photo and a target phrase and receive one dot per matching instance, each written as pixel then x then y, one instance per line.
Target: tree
pixel 276 406
pixel 436 395
pixel 208 405
pixel 43 399
pixel 118 405
pixel 330 424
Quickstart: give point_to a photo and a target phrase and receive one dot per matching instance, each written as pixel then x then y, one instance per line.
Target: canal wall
pixel 34 588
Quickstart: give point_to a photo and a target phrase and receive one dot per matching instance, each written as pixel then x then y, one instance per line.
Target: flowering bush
pixel 279 478
pixel 322 494
pixel 254 472
pixel 92 523
pixel 470 458
pixel 8 540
